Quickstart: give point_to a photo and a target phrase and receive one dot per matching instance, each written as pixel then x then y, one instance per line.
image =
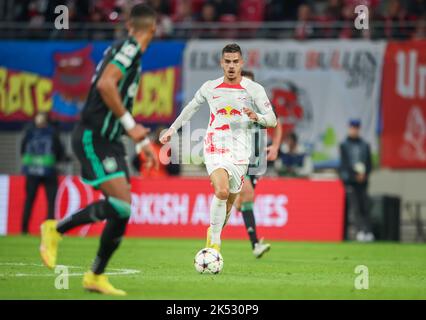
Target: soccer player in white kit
pixel 235 104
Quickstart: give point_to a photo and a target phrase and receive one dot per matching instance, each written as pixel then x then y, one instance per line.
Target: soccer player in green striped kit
pixel 96 143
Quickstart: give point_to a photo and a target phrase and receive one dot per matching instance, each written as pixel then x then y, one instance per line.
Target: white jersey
pixel 228 137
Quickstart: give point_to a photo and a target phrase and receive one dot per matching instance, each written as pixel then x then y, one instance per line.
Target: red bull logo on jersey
pixel 229 112
pixel 235 112
pixel 224 127
pixel 222 112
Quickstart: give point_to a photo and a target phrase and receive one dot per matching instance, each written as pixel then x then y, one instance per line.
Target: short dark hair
pixel 141 16
pixel 231 48
pixel 248 74
pixel 355 123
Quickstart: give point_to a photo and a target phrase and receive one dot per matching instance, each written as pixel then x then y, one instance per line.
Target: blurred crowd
pixel 398 19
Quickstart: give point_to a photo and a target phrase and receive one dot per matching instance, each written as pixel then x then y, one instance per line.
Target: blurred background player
pixel 293 160
pixel 245 200
pixel 97 145
pixel 227 144
pixel 41 150
pixel 355 169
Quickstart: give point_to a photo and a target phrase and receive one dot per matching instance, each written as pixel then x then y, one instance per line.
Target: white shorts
pixel 236 173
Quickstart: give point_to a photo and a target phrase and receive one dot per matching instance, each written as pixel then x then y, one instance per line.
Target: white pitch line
pixel 113 272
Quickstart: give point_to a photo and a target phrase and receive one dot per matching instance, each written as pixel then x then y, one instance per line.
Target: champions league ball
pixel 208 261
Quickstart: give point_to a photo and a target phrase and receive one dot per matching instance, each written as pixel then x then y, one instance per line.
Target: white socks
pixel 217 219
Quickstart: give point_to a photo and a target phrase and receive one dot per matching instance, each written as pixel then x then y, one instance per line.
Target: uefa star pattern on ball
pixel 208 261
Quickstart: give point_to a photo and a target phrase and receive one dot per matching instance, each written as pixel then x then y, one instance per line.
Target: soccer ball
pixel 209 261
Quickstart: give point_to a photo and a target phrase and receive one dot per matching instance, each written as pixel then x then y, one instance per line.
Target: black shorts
pixel 100 159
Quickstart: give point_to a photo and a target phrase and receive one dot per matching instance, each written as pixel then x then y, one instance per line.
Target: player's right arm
pixel 190 109
pixel 107 86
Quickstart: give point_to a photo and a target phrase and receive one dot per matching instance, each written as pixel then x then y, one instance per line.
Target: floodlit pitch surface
pixel 163 269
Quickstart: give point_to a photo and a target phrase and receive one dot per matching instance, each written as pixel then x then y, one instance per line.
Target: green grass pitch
pixel 291 270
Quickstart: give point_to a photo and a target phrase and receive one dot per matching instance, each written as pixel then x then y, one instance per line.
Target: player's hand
pixel 167 136
pixel 272 153
pixel 251 114
pixel 138 133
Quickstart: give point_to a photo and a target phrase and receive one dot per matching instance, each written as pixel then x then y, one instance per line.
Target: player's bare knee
pixel 119 189
pixel 222 193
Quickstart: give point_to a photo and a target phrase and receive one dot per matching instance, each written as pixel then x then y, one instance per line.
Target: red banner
pixel 285 209
pixel 404 105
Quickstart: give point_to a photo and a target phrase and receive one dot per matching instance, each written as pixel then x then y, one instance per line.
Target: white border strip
pixel 4 203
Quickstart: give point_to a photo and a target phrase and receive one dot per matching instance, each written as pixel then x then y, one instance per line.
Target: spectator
pixel 396 21
pixel 164 27
pixel 183 12
pixel 208 15
pixel 97 16
pixel 251 10
pixel 355 169
pixel 348 16
pixel 304 28
pixel 41 149
pixel 228 33
pixel 293 160
pixel 36 14
pixel 331 19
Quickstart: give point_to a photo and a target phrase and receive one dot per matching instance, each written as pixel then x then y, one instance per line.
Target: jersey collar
pixel 240 85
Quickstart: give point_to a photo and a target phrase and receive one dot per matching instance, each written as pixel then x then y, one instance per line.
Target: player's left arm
pixel 190 109
pixel 266 116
